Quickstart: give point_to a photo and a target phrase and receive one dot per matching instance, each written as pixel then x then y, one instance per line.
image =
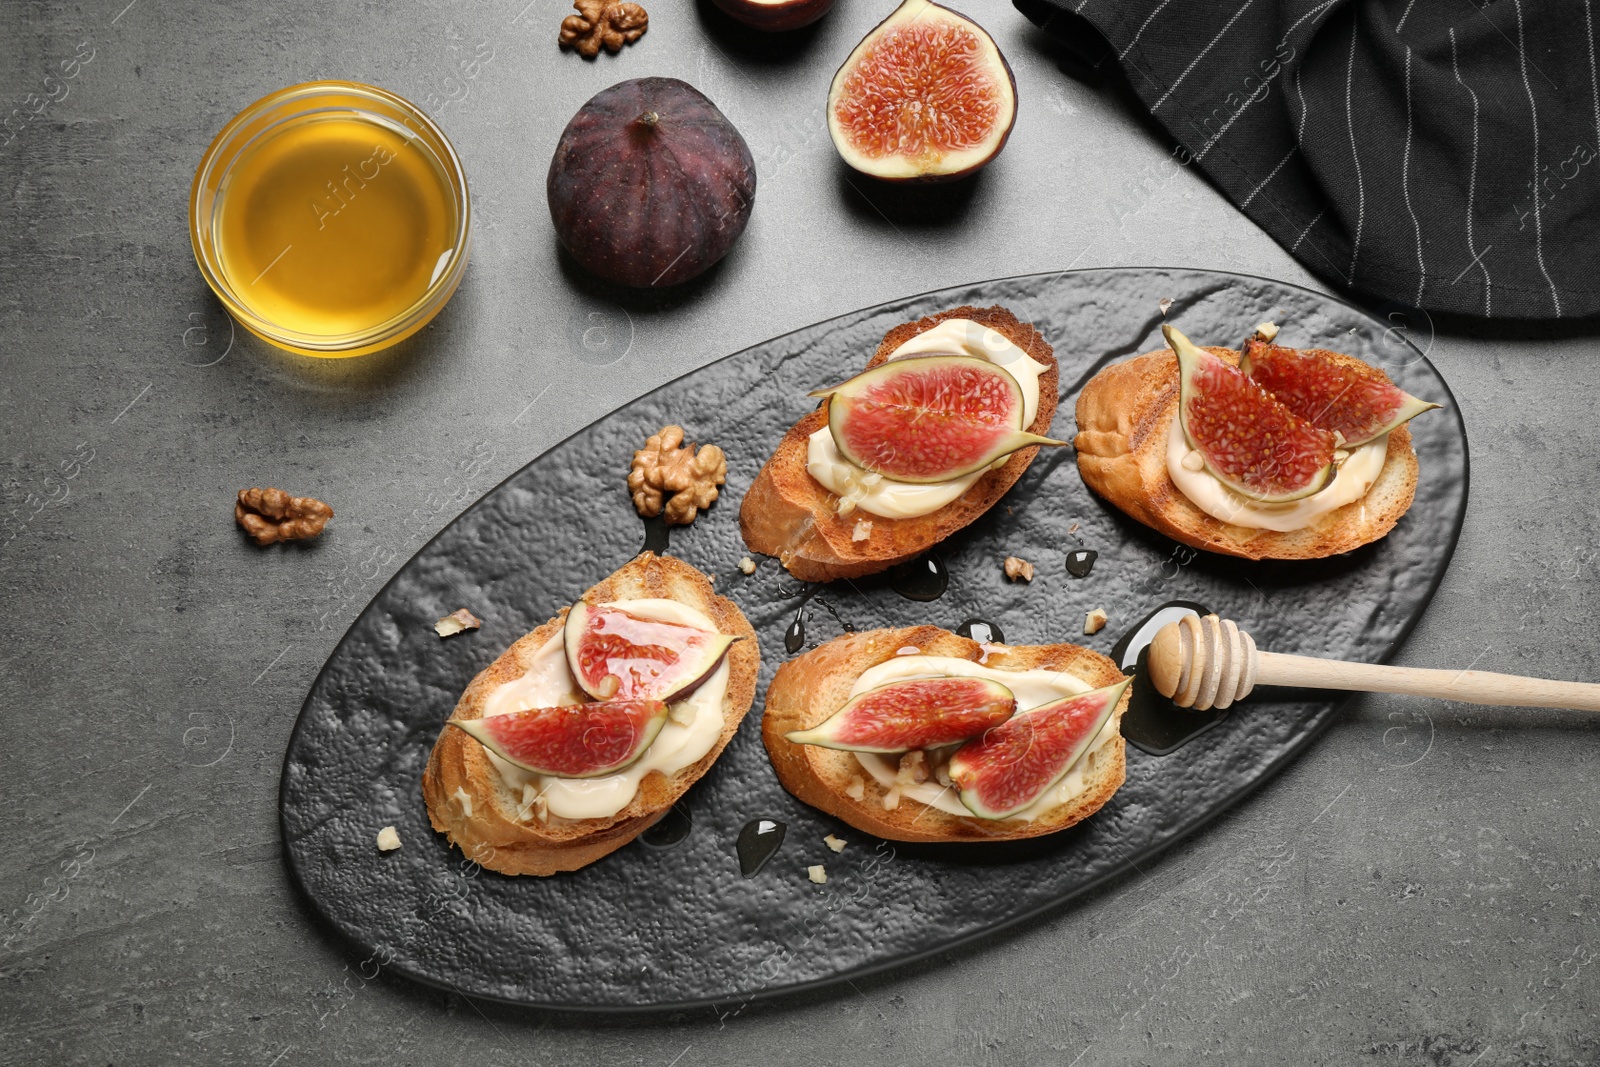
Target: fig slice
pixel 929 418
pixel 1014 764
pixel 926 96
pixel 1250 442
pixel 572 741
pixel 615 655
pixel 1357 401
pixel 923 713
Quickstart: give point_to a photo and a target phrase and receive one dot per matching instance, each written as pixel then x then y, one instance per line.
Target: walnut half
pixel 270 515
pixel 668 475
pixel 602 23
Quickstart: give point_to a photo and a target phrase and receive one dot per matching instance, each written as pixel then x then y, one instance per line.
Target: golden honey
pixel 331 219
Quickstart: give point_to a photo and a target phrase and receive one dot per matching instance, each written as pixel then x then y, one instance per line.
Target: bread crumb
pixel 817 873
pixel 1073 528
pixel 1267 331
pixel 891 799
pixel 1017 567
pixel 1094 621
pixel 455 622
pixel 1194 460
pixel 1165 304
pixel 857 789
pixel 835 843
pixel 747 565
pixel 862 531
pixel 388 839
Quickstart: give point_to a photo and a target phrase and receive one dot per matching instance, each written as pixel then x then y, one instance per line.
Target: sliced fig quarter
pixel 572 741
pixel 615 655
pixel 1252 444
pixel 926 96
pixel 922 713
pixel 1011 766
pixel 1357 401
pixel 929 418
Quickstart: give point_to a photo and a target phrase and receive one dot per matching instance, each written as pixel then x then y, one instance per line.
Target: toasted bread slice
pixel 812 687
pixel 789 514
pixel 493 834
pixel 1124 416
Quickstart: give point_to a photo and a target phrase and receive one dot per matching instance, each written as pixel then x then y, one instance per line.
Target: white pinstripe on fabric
pixel 1472 185
pixel 1196 60
pixel 1405 184
pixel 1533 110
pixel 1137 33
pixel 1404 15
pixel 1250 100
pixel 1594 77
pixel 1307 230
pixel 1350 122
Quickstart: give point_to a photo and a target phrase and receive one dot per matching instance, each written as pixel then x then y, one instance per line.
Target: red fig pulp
pixel 1358 402
pixel 615 655
pixel 574 741
pixel 1251 443
pixel 929 418
pixel 924 713
pixel 1011 766
pixel 926 96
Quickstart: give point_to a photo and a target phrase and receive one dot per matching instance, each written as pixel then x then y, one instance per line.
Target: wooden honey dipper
pixel 1207 662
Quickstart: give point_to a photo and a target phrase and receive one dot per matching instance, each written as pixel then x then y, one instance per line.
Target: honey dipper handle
pixel 1472 687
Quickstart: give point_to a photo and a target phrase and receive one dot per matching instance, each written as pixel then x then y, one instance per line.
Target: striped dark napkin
pixel 1442 154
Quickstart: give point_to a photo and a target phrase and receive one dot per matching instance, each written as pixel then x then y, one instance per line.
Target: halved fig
pixel 574 741
pixel 1251 443
pixel 926 96
pixel 924 713
pixel 928 418
pixel 615 655
pixel 1014 764
pixel 775 16
pixel 1356 401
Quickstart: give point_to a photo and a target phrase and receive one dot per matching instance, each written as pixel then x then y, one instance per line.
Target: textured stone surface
pixel 1418 887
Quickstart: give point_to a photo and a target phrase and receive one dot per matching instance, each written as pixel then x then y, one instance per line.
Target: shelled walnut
pixel 668 475
pixel 270 515
pixel 602 23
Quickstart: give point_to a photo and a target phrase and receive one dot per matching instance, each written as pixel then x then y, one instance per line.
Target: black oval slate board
pixel 678 926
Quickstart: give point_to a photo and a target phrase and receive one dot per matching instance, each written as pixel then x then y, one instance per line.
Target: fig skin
pixel 650 184
pixel 835 89
pixel 775 17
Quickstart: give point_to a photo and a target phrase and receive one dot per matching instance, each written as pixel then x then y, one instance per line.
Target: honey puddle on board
pixel 334 223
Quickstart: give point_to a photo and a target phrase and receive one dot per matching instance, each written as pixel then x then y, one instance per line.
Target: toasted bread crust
pixel 789 514
pixel 493 835
pixel 1124 415
pixel 811 687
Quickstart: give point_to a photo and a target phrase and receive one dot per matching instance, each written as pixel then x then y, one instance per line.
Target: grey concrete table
pixel 1419 888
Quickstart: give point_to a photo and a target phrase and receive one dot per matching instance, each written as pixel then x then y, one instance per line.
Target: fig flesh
pixel 923 713
pixel 775 16
pixel 573 741
pixel 650 184
pixel 615 655
pixel 926 96
pixel 929 418
pixel 1358 402
pixel 1013 765
pixel 1250 442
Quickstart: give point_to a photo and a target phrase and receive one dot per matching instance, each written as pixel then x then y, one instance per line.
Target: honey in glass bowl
pixel 331 218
